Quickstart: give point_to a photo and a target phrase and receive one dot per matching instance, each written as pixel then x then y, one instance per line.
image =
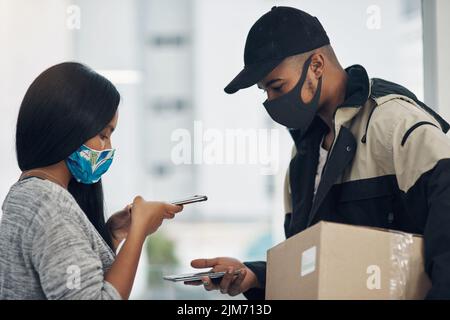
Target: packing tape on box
pixel 400 251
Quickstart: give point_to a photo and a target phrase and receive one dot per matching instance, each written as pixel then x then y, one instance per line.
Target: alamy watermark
pixel 74 277
pixel 227 147
pixel 73 19
pixel 373 17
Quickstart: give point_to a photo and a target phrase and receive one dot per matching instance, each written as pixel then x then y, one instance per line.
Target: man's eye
pixel 278 88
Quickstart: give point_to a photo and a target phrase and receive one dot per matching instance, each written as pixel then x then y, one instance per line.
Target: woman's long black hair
pixel 64 107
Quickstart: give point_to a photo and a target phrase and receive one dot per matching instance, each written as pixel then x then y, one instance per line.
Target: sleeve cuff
pixel 259 269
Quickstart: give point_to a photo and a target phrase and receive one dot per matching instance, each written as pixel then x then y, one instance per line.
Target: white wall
pixel 31 40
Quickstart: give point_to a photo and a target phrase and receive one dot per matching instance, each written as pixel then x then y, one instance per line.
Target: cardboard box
pixel 337 261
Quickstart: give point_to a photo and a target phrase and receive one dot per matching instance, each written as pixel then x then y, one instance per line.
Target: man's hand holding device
pixel 236 279
pixel 227 274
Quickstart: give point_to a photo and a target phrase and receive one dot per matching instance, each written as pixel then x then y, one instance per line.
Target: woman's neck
pixel 57 173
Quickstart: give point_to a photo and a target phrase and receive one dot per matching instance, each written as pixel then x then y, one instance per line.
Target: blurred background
pixel 170 60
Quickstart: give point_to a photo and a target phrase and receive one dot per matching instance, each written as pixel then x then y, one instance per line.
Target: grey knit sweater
pixel 48 247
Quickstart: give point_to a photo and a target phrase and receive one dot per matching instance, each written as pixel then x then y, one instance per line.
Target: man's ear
pixel 317 64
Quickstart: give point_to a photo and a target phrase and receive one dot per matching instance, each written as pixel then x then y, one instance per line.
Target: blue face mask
pixel 88 165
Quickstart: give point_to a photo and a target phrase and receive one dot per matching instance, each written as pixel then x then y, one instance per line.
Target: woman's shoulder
pixel 36 198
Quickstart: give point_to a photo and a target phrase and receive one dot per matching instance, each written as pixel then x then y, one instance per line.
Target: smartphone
pixel 189 200
pixel 215 276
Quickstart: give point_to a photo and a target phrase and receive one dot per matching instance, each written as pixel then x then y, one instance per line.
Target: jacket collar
pixel 358 87
pixel 357 93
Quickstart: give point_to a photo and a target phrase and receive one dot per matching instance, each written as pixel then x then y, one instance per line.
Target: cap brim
pixel 250 75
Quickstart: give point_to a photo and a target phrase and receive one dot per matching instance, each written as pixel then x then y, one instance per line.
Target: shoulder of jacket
pixel 395 103
pixel 393 109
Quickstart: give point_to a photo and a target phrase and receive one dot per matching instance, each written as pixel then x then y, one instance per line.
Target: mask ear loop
pixel 302 82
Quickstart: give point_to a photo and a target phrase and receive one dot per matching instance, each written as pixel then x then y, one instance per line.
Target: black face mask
pixel 290 111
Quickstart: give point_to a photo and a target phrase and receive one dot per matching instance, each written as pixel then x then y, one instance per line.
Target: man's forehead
pixel 273 76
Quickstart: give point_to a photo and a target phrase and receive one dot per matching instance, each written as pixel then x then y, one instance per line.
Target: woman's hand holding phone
pixel 147 216
pixel 136 222
pixel 120 222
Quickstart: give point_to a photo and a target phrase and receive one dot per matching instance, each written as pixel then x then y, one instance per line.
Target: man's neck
pixel 339 89
pixel 328 109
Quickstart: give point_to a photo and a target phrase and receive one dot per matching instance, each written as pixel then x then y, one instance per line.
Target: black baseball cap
pixel 280 33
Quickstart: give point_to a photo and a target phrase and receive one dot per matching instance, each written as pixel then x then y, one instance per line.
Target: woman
pixel 55 243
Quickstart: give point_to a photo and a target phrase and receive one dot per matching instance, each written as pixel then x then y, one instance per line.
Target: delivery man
pixel 367 151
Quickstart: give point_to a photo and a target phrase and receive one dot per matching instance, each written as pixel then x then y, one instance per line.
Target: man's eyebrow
pixel 270 82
